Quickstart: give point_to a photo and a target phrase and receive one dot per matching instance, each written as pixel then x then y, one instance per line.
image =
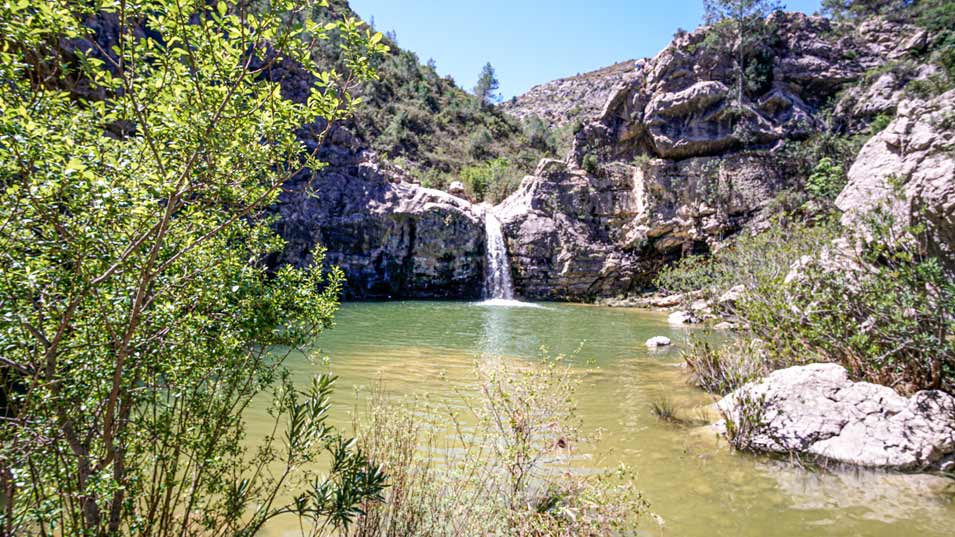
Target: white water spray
pixel 497 269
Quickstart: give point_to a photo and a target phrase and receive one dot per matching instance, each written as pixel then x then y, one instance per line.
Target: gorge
pixel 660 172
pixel 265 272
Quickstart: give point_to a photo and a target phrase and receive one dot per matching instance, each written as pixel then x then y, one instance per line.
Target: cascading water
pixel 497 270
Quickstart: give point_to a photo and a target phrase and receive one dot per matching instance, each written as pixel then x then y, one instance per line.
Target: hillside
pixel 675 165
pixel 574 99
pixel 432 130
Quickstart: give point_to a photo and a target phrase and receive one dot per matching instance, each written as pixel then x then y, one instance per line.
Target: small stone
pixel 658 341
pixel 682 317
pixel 456 188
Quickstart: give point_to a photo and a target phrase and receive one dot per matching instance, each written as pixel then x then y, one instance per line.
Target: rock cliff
pixel 391 238
pixel 674 164
pixel 909 169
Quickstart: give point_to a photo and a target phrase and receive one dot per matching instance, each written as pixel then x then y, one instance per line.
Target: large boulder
pixel 815 410
pixel 909 170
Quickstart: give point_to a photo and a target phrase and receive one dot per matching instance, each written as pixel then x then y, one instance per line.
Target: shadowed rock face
pixel 672 165
pixel 392 239
pixel 816 410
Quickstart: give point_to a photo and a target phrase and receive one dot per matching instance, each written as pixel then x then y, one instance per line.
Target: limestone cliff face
pixel 391 238
pixel 909 169
pixel 673 165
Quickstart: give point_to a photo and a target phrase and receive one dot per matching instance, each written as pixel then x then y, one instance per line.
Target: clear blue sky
pixel 534 41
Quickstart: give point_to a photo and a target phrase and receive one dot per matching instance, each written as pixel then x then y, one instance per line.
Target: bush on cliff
pixel 137 318
pixel 491 181
pixel 877 304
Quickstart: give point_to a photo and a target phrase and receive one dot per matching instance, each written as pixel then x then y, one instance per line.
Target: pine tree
pixel 486 86
pixel 739 17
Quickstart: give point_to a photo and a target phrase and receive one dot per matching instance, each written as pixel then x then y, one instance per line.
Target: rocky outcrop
pixel 391 238
pixel 815 410
pixel 577 236
pixel 681 105
pixel 909 170
pixel 576 98
pixel 673 165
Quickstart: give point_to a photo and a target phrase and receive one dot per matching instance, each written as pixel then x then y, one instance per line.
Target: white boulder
pixel 816 410
pixel 658 341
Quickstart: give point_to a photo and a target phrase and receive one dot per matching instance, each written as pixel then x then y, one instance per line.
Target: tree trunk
pixel 739 63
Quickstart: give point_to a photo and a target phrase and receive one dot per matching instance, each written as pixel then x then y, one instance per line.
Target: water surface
pixel 694 482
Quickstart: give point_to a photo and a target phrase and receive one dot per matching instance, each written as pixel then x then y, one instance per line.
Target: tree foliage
pixel 139 144
pixel 487 85
pixel 874 301
pixel 739 22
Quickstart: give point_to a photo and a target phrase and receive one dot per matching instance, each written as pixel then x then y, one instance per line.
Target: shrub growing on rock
pixel 878 305
pixel 875 303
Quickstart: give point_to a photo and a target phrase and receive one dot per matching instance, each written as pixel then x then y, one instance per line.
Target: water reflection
pixel 495 337
pixel 878 496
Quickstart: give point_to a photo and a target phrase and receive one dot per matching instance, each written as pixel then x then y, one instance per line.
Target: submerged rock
pixel 816 410
pixel 658 341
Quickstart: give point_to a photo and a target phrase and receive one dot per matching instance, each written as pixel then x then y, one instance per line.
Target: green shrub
pixel 642 161
pixel 879 124
pixel 878 305
pixel 929 87
pixel 479 143
pixel 723 367
pixel 490 181
pixel 757 262
pixel 827 180
pixel 539 135
pixel 138 317
pixel 591 164
pixel 938 16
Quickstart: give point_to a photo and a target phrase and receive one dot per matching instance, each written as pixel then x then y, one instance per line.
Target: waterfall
pixel 497 269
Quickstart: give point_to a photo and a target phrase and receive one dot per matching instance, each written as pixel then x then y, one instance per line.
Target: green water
pixel 694 482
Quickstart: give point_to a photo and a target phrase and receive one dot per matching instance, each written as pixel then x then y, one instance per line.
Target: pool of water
pixel 694 482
